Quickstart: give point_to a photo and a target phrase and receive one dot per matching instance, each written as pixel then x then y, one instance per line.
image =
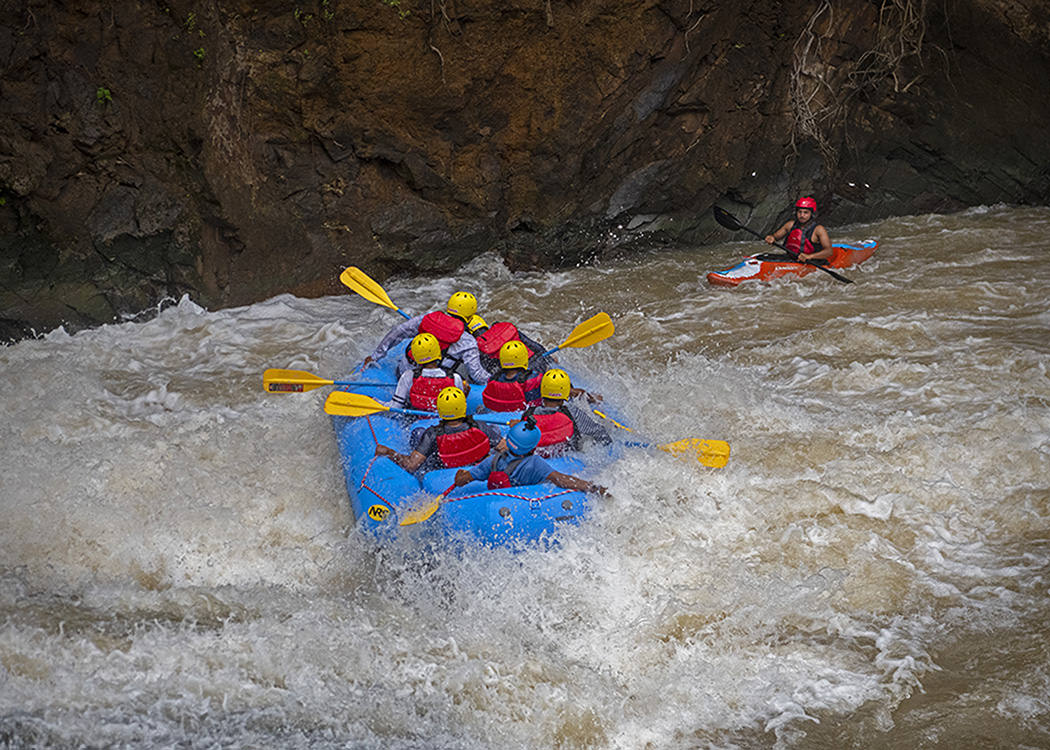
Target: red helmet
pixel 806 203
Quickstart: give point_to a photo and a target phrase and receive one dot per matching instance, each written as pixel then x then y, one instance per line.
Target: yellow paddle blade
pixel 590 331
pixel 366 286
pixel 291 381
pixel 713 453
pixel 343 404
pixel 422 513
pixel 426 510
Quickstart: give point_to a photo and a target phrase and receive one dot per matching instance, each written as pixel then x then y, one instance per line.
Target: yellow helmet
pixel 513 354
pixel 451 403
pixel 476 323
pixel 463 305
pixel 555 384
pixel 425 348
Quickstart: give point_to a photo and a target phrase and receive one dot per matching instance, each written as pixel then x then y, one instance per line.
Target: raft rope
pixel 508 494
pixel 512 496
pixel 393 505
pixel 364 486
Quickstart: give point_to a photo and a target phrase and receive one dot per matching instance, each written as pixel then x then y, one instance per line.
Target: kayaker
pixel 519 465
pixel 562 424
pixel 492 338
pixel 516 385
pixel 805 237
pixel 457 440
pixel 420 386
pixel 449 327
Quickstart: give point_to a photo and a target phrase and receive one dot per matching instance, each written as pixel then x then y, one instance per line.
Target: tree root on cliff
pixel 441 58
pixel 901 31
pixel 695 24
pixel 818 108
pixel 810 115
pixel 451 24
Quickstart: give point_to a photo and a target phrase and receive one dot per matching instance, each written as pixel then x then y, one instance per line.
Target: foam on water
pixel 178 564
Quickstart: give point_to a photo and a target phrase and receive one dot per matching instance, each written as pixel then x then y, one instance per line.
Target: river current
pixel 179 566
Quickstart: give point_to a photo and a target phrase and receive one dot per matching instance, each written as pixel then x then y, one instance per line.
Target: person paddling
pixel 491 340
pixel 457 440
pixel 806 239
pixel 420 386
pixel 516 385
pixel 562 424
pixel 519 465
pixel 449 327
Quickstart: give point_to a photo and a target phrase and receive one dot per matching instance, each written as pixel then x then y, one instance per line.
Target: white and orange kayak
pixel 768 266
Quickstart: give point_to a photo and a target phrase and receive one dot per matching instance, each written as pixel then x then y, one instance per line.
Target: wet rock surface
pixel 234 151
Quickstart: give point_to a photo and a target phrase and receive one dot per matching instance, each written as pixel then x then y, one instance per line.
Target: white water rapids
pixel 179 566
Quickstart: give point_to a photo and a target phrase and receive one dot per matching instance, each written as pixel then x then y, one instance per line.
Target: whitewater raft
pixel 766 267
pixel 381 492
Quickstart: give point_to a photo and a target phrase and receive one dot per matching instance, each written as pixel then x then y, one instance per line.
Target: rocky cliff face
pixel 235 150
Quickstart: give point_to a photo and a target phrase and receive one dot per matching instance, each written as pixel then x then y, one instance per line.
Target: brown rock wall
pixel 237 150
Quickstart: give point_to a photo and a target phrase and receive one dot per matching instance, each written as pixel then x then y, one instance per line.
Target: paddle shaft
pixel 713 453
pixel 799 258
pixel 284 387
pixel 639 444
pixel 490 418
pixel 382 383
pixel 606 416
pixel 344 404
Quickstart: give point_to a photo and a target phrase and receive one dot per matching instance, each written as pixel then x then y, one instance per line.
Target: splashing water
pixel 178 564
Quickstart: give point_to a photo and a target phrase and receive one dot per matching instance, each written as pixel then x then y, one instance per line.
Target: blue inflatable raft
pixel 381 492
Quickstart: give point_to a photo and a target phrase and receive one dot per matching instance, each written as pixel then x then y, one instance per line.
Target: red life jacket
pixel 555 426
pixel 464 447
pixel 446 328
pixel 502 395
pixel 425 389
pixel 532 388
pixel 490 341
pixel 512 390
pixel 799 239
pixel 500 478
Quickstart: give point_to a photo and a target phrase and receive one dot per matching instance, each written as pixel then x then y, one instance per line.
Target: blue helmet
pixel 523 438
